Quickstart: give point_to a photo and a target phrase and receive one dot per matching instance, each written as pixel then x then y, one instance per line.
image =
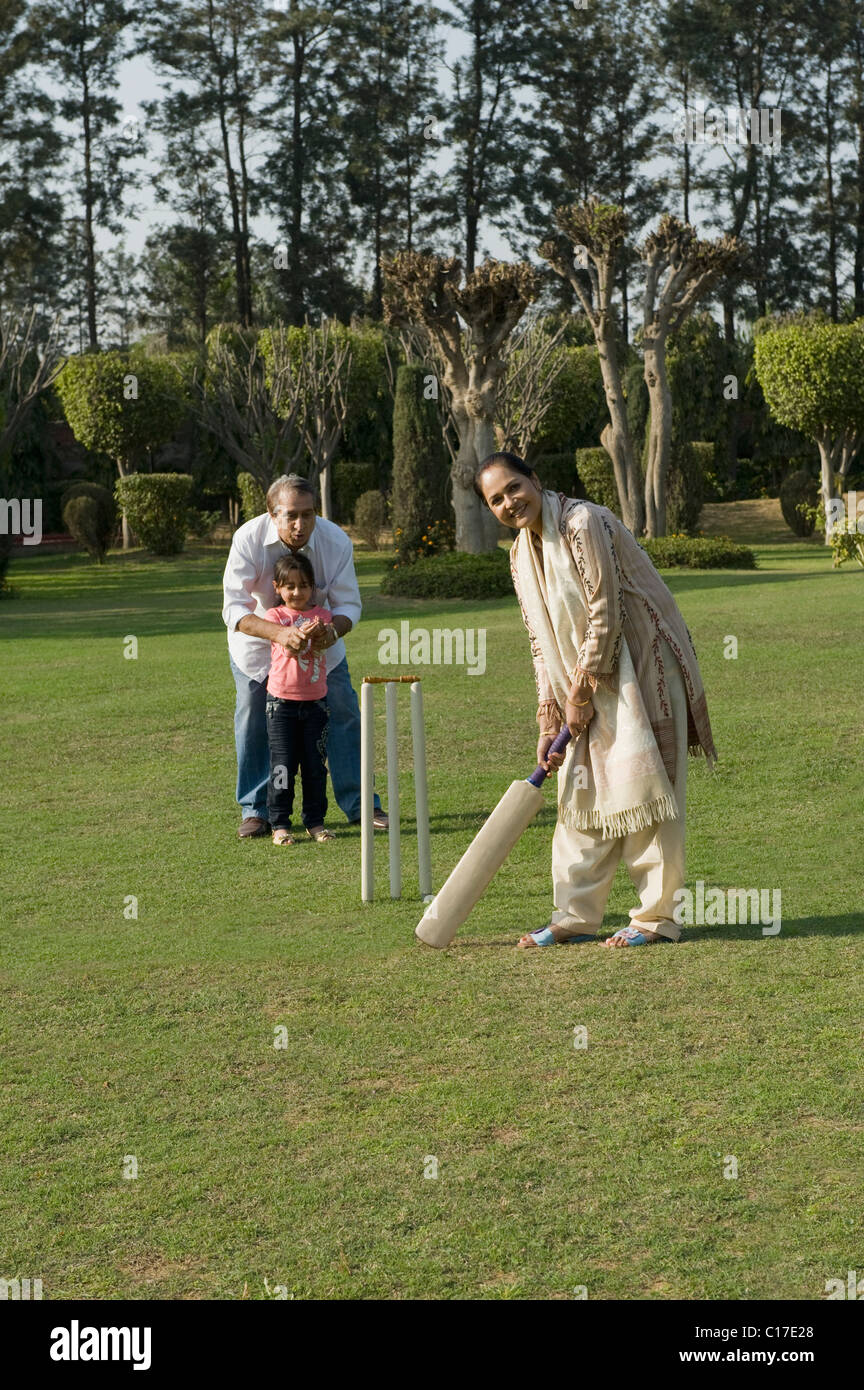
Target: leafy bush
pixel 157 507
pixel 201 524
pixel 370 516
pixel 350 479
pixel 799 492
pixel 90 517
pixel 847 543
pixel 598 478
pixel 456 575
pixel 699 553
pixel 439 536
pixel 253 500
pixel 685 488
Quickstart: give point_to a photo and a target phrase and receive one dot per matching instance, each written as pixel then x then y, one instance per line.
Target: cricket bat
pixel 485 855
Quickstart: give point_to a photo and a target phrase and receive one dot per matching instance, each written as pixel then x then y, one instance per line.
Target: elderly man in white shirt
pixel 290 524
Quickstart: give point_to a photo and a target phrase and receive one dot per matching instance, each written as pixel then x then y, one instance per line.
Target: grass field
pixel 303 1166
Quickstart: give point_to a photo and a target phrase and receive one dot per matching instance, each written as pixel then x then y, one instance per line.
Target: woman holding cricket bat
pixel 614 660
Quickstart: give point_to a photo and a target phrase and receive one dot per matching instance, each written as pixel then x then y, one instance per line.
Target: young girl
pixel 296 709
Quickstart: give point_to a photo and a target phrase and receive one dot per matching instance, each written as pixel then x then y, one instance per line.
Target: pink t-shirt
pixel 297 675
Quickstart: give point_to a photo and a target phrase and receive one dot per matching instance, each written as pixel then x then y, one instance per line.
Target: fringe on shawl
pixel 606 681
pixel 621 822
pixel 549 713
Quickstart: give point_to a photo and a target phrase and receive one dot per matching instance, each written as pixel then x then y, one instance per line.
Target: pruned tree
pixel 319 361
pixel 27 368
pixel 680 270
pixel 586 254
pixel 429 290
pixel 534 360
pixel 250 406
pixel 812 377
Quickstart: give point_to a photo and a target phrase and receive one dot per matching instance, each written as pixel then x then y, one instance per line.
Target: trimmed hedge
pixel 253 499
pixel 90 517
pixel 157 508
pixel 452 575
pixel 559 472
pixel 699 553
pixel 595 469
pixel 685 486
pixel 796 489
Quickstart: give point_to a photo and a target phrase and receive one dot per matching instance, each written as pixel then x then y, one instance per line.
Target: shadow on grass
pixel 850 923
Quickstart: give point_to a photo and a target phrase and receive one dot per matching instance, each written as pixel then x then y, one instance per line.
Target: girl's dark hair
pixel 509 460
pixel 287 563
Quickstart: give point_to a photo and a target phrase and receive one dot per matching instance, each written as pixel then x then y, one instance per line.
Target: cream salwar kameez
pixel 594 604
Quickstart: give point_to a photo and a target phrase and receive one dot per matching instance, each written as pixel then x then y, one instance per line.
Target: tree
pixel 320 361
pixel 215 49
pixel 28 367
pixel 249 408
pixel 82 45
pixel 420 463
pixel 586 254
pixel 812 376
pixel 428 290
pixel 389 100
pixel 679 272
pixel 301 171
pixel 482 131
pixel 122 404
pixel 30 146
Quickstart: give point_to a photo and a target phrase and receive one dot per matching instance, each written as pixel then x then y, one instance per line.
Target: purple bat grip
pixel 539 775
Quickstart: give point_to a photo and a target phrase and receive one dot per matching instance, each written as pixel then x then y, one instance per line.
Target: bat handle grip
pixel 539 775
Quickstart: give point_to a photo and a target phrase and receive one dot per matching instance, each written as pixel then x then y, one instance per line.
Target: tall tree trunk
pixel 659 436
pixel 616 437
pixel 829 196
pixel 231 179
pixel 89 234
pixel 296 297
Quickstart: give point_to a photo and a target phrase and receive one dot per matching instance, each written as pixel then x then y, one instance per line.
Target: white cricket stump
pixel 367 802
pixel 367 795
pixel 421 790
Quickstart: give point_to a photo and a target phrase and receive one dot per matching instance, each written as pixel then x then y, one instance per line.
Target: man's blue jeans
pixel 253 754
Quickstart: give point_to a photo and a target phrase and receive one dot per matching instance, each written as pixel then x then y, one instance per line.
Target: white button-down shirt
pixel 248 586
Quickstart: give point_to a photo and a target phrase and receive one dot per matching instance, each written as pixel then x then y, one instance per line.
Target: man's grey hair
pixel 288 481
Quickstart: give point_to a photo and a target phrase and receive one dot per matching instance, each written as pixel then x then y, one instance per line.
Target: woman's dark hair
pixel 286 564
pixel 509 460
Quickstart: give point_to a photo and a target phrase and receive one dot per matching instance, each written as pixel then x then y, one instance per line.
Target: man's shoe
pixel 253 826
pixel 380 820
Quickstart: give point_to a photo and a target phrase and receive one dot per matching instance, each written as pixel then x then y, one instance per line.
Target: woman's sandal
pixel 283 837
pixel 545 937
pixel 632 937
pixel 320 836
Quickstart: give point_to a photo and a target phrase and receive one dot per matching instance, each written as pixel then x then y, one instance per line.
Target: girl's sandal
pixel 320 836
pixel 283 837
pixel 545 937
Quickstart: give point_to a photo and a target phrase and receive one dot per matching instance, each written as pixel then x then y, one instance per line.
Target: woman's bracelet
pixel 580 704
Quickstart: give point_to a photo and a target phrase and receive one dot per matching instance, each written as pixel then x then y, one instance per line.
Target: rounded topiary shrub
pixel 595 470
pixel 370 516
pixel 91 521
pixel 253 499
pixel 92 527
pixel 699 553
pixel 157 509
pixel 452 575
pixel 796 490
pixel 685 487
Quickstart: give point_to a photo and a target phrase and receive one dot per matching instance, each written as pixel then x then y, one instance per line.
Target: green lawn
pixel 304 1166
